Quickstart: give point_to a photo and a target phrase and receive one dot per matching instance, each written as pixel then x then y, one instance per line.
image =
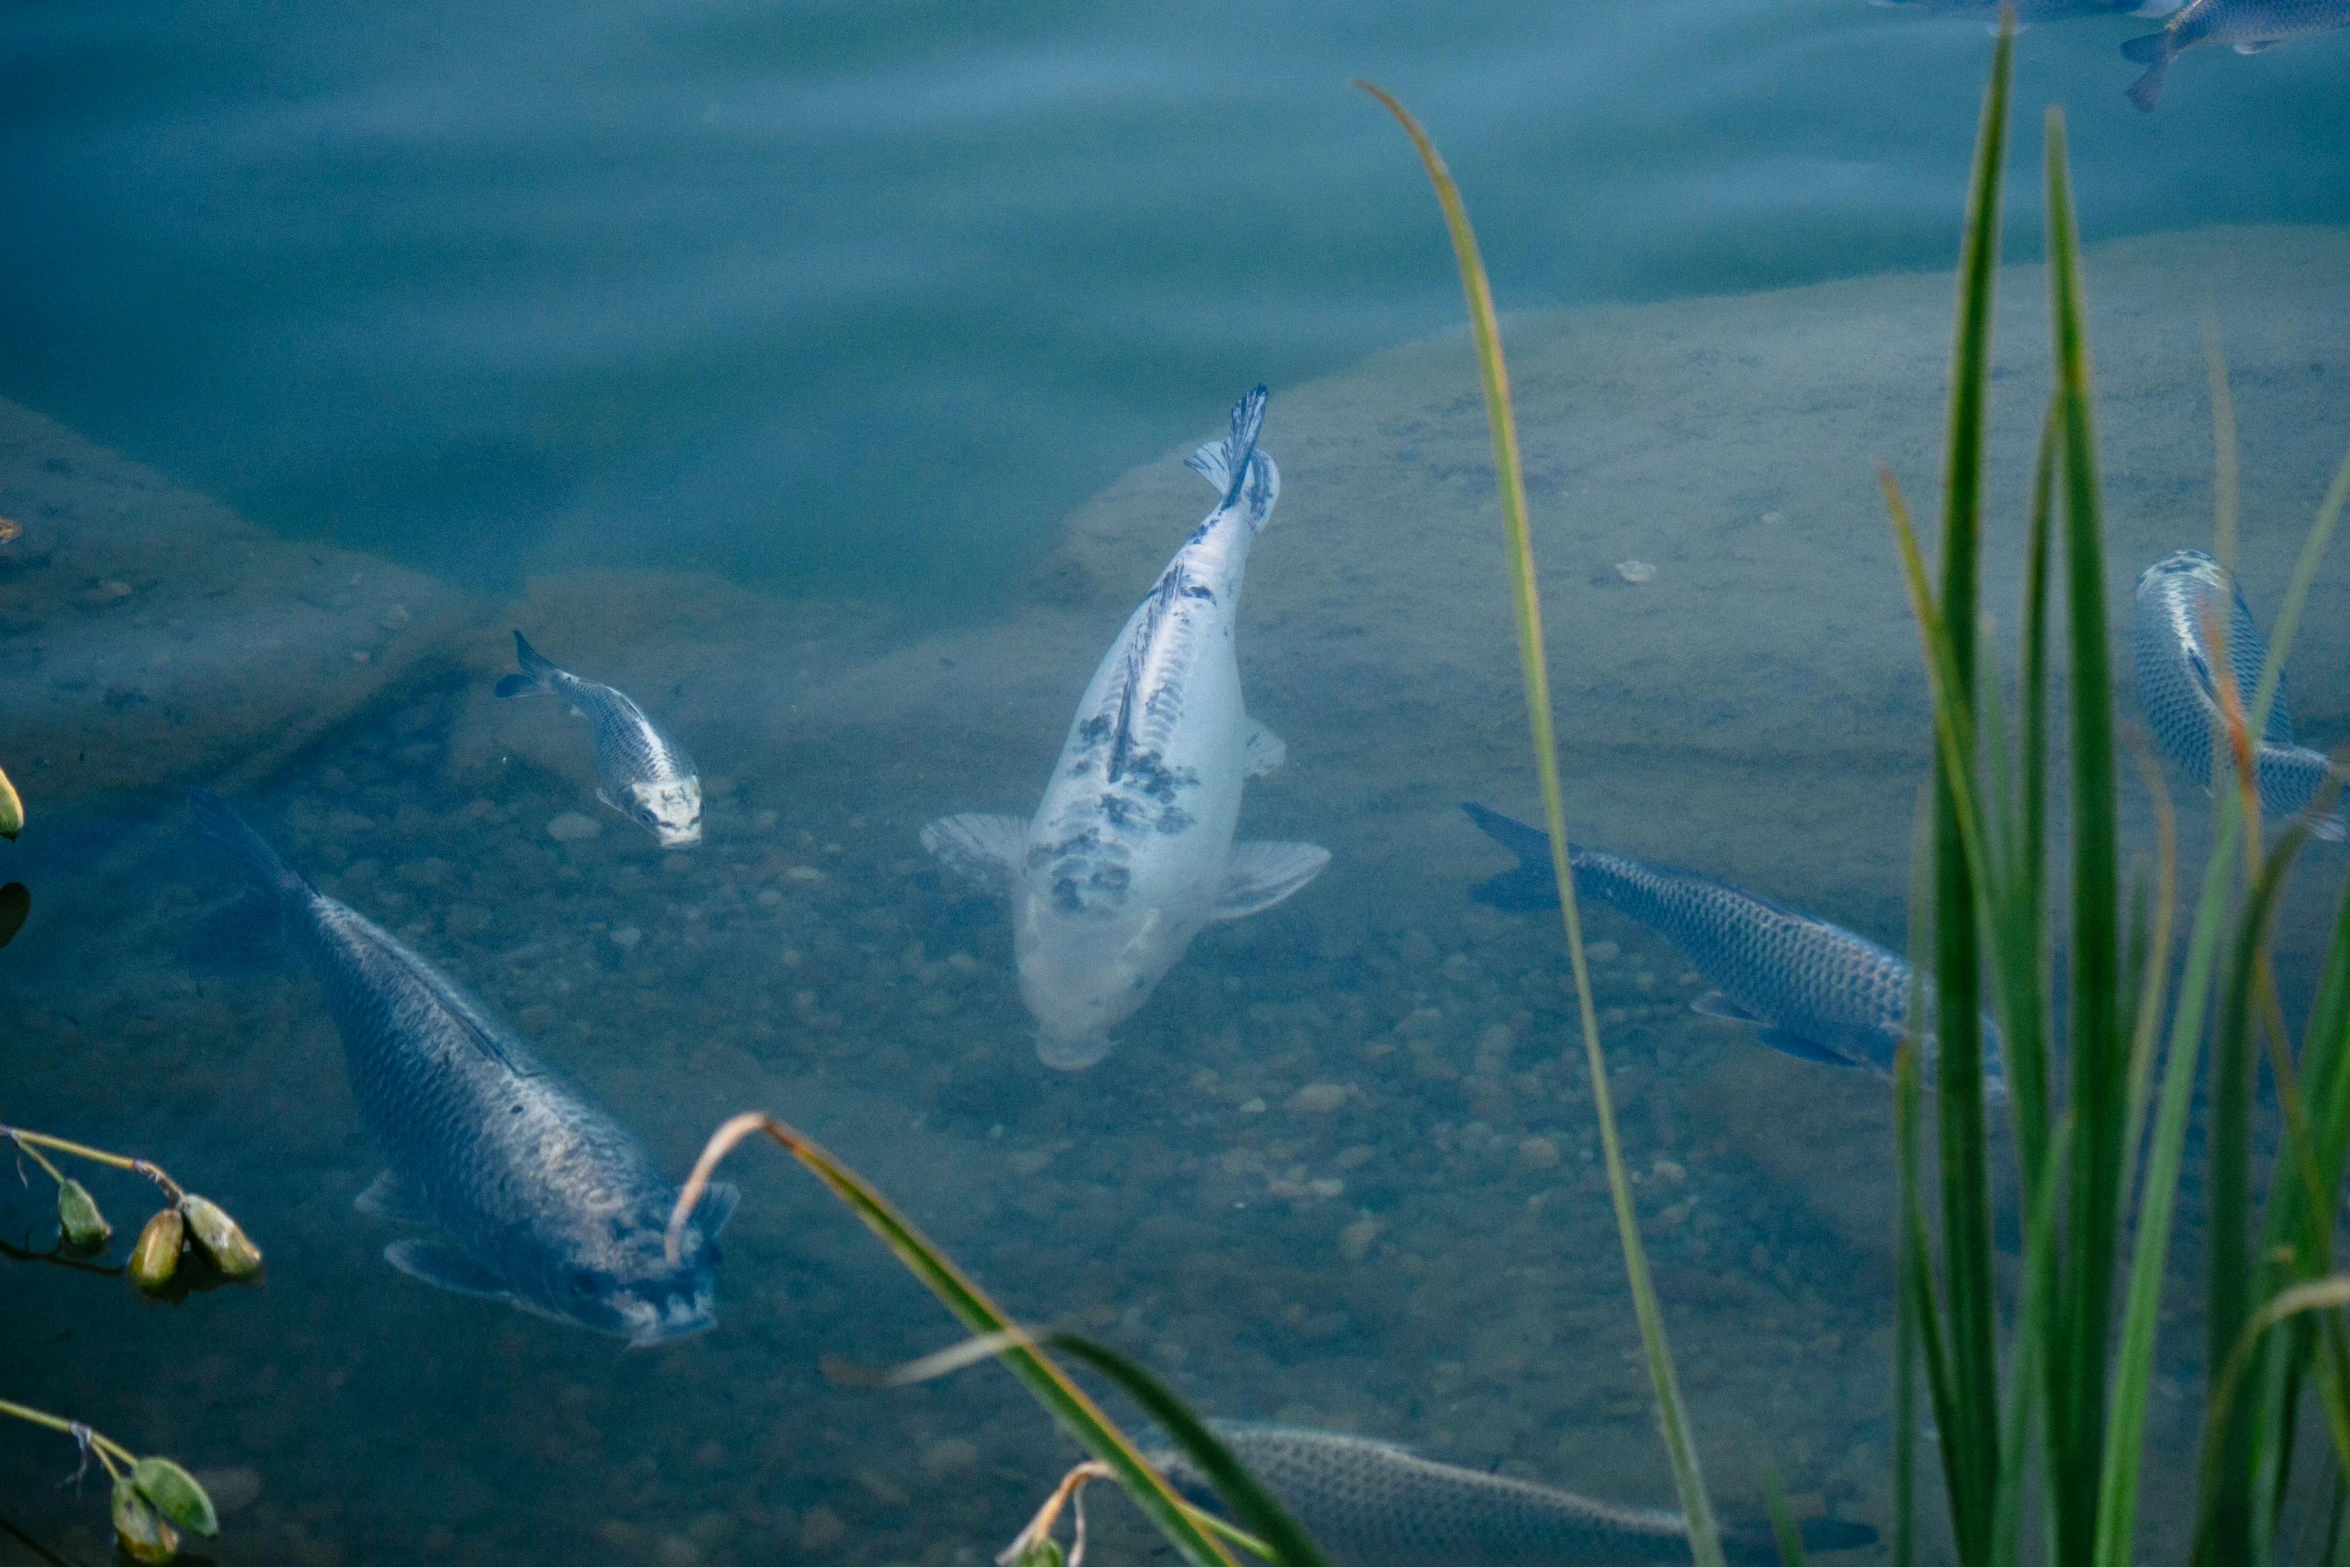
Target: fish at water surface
pixel 2246 26
pixel 543 1198
pixel 2030 11
pixel 1131 853
pixel 1372 1504
pixel 647 776
pixel 1813 990
pixel 2180 697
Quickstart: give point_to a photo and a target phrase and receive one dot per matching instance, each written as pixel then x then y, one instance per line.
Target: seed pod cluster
pixel 155 1260
pixel 223 1241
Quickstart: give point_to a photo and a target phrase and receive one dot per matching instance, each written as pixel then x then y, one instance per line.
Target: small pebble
pixel 1635 571
pixel 821 1527
pixel 1355 1241
pixel 626 938
pixel 571 827
pixel 805 873
pixel 1252 1107
pixel 1601 951
pixel 675 1550
pixel 764 820
pixel 1537 1153
pixel 1317 1098
pixel 769 898
pixel 677 864
pixel 360 655
pixel 952 1456
pixel 395 617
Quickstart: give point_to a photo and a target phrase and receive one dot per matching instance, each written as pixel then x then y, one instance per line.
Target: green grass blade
pixel 1680 1445
pixel 2230 1474
pixel 2288 623
pixel 1783 1530
pixel 1964 1139
pixel 2031 1331
pixel 2028 986
pixel 1250 1502
pixel 2100 1064
pixel 1051 1386
pixel 1908 1331
pixel 2117 1492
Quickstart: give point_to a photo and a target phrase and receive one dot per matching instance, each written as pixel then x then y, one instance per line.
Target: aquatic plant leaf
pixel 16 906
pixel 11 808
pixel 144 1534
pixel 1783 1530
pixel 176 1495
pixel 78 1219
pixel 155 1260
pixel 1046 1382
pixel 1533 662
pixel 223 1241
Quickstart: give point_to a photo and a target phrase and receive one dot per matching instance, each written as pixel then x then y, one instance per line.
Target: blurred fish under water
pixel 2246 26
pixel 544 1200
pixel 1131 853
pixel 2176 597
pixel 1375 1504
pixel 1811 989
pixel 648 777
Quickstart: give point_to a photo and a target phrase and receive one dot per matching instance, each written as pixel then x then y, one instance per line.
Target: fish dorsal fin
pixel 1714 1004
pixel 1260 875
pixel 443 1266
pixel 986 850
pixel 389 1197
pixel 1266 750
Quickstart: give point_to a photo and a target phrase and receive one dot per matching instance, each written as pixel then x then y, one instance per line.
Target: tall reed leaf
pixel 1705 1543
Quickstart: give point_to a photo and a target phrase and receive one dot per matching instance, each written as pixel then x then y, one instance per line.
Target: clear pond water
pixel 817 375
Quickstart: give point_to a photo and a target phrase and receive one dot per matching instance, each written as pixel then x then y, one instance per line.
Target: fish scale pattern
pixel 629 745
pixel 472 1121
pixel 1792 969
pixel 2177 693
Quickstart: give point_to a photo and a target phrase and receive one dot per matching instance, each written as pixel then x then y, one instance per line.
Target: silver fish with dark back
pixel 1373 1504
pixel 1812 989
pixel 543 1199
pixel 2246 26
pixel 2180 695
pixel 647 776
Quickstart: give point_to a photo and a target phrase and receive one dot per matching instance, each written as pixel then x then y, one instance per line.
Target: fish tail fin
pixel 1530 885
pixel 1234 465
pixel 2154 51
pixel 538 673
pixel 264 869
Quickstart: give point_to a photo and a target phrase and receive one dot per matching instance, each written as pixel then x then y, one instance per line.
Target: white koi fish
pixel 1131 853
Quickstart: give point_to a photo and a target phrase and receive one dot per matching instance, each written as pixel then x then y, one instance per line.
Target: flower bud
pixel 234 1255
pixel 157 1256
pixel 144 1534
pixel 174 1493
pixel 78 1218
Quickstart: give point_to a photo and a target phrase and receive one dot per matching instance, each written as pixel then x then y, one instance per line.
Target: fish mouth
pixel 677 837
pixel 669 1329
pixel 1072 1055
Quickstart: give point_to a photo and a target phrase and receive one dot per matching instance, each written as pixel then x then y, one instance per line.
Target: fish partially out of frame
pixel 1373 1504
pixel 2246 26
pixel 541 1198
pixel 1131 853
pixel 2177 599
pixel 647 776
pixel 1809 989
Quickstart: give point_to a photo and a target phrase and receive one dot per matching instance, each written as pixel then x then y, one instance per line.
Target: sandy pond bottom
pixel 1340 1172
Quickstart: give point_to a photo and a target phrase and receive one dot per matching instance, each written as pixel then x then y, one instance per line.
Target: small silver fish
pixel 2180 697
pixel 2246 26
pixel 1130 854
pixel 1373 1504
pixel 543 1199
pixel 648 778
pixel 1813 990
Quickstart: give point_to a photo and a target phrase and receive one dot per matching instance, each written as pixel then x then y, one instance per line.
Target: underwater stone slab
pixel 149 635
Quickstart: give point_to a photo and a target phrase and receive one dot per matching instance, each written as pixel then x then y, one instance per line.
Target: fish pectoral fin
pixel 1265 751
pixel 445 1267
pixel 605 795
pixel 2257 46
pixel 716 1207
pixel 389 1197
pixel 985 850
pixel 1714 1004
pixel 1802 1049
pixel 1260 875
